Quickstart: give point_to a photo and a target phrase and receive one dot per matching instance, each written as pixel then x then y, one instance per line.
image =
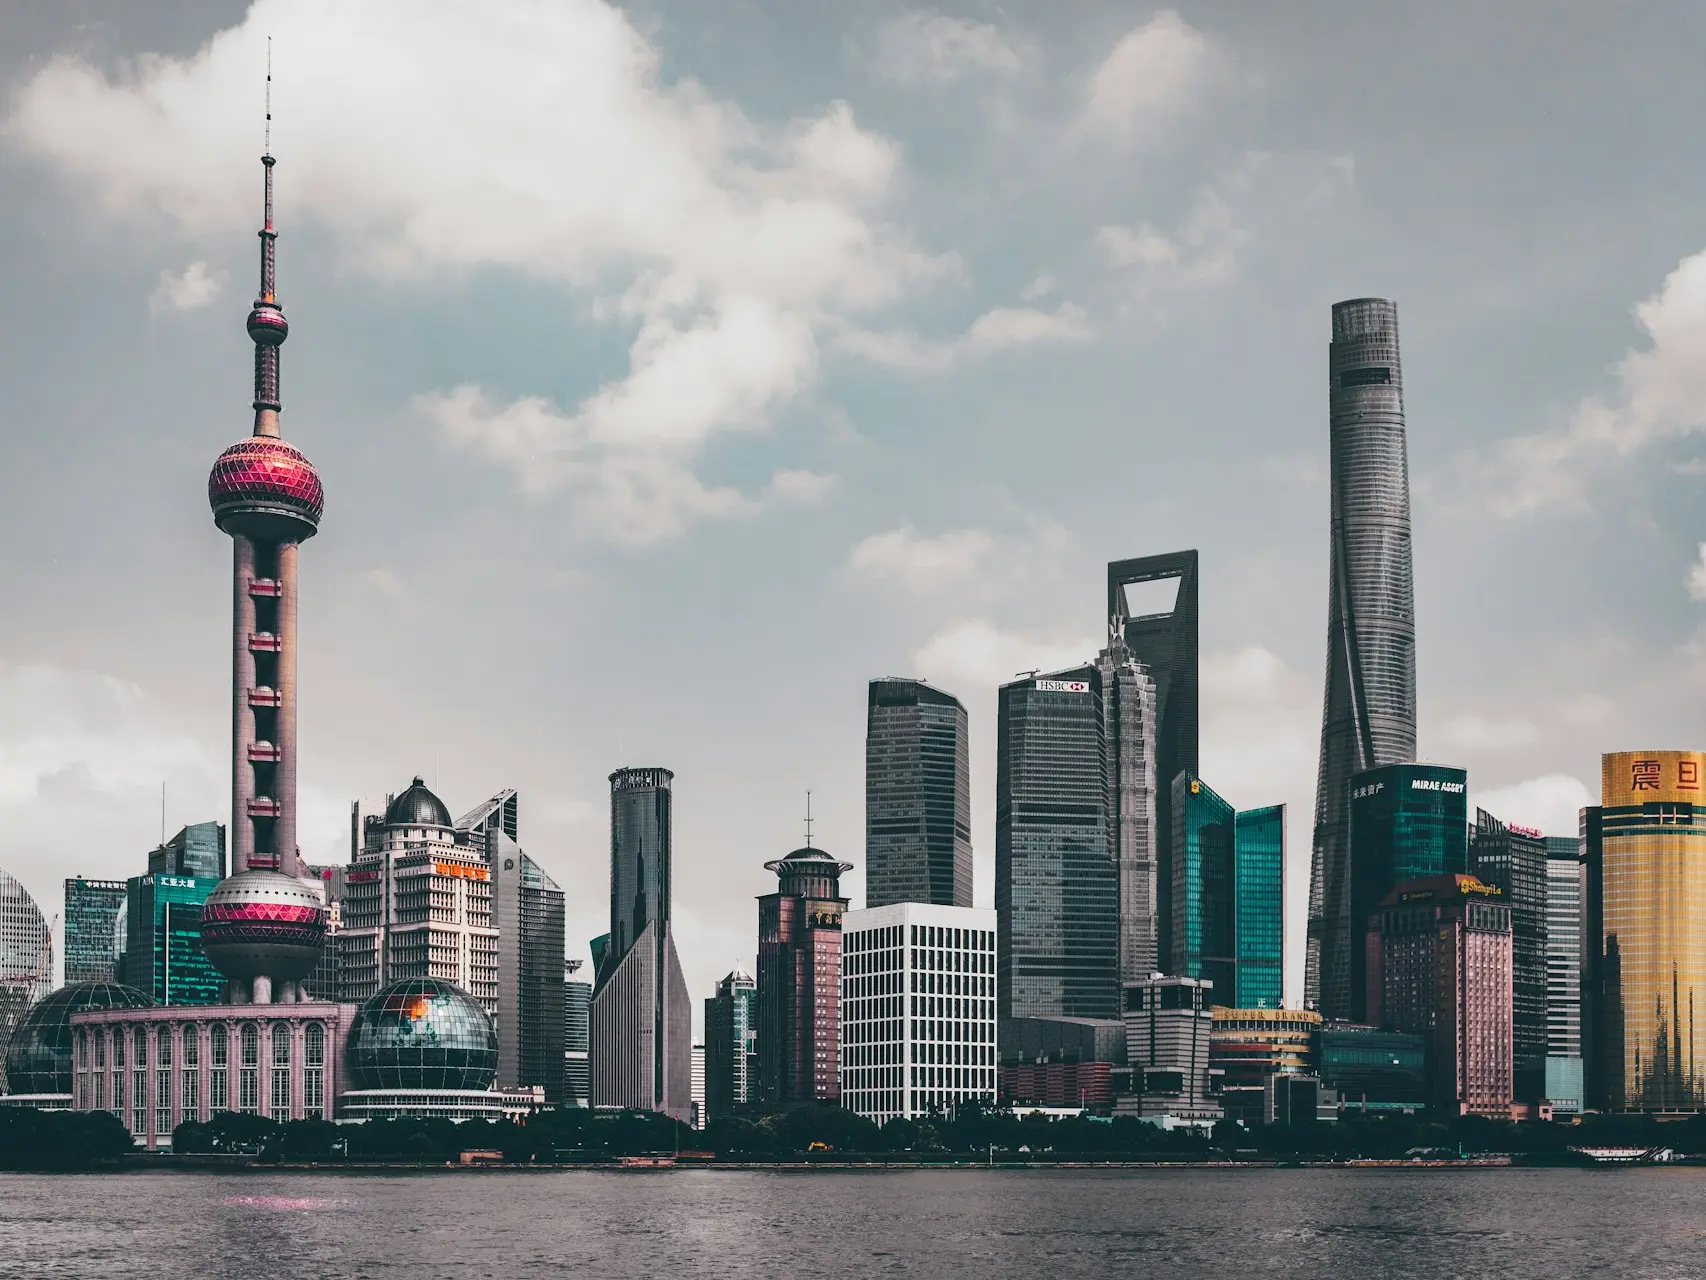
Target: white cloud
pixel 1551 804
pixel 921 564
pixel 998 329
pixel 924 46
pixel 799 487
pixel 195 286
pixel 973 658
pixel 1697 575
pixel 540 139
pixel 1149 72
pixel 1658 392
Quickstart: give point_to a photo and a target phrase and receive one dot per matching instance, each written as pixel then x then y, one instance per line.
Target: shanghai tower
pixel 1369 711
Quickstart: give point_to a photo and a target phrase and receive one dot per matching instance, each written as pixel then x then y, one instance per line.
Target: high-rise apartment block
pixel 1565 886
pixel 418 904
pixel 1129 728
pixel 731 1045
pixel 1169 1039
pixel 917 796
pixel 1439 965
pixel 1228 894
pixel 1644 986
pixel 91 929
pixel 642 1023
pixel 918 1020
pixel 1369 712
pixel 1405 822
pixel 1056 885
pixel 799 979
pixel 1164 641
pixel 1514 859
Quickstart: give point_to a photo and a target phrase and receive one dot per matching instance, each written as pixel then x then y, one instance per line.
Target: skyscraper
pixel 642 1024
pixel 577 1037
pixel 197 850
pixel 1369 711
pixel 527 911
pixel 163 953
pixel 26 957
pixel 1165 642
pixel 91 923
pixel 1514 859
pixel 262 927
pixel 731 1045
pixel 1128 725
pixel 917 796
pixel 1228 895
pixel 1564 891
pixel 1645 850
pixel 799 979
pixel 1056 886
pixel 1407 822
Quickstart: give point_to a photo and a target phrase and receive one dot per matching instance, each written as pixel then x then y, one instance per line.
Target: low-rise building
pixel 1169 1022
pixel 1248 1047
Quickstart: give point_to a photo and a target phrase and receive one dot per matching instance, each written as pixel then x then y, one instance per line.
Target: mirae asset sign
pixel 1063 686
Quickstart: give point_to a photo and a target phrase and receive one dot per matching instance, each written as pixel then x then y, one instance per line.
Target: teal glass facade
pixel 1408 822
pixel 164 956
pixel 1259 906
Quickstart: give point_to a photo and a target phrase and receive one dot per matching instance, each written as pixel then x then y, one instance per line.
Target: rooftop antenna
pixel 808 819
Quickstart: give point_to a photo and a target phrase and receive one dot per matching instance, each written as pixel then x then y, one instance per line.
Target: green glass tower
pixel 1228 895
pixel 163 956
pixel 1408 822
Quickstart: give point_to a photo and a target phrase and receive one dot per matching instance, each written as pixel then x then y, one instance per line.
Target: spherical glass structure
pixel 422 1033
pixel 39 1057
pixel 265 487
pixel 262 923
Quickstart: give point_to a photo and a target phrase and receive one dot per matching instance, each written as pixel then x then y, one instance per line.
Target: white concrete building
pixel 917 1009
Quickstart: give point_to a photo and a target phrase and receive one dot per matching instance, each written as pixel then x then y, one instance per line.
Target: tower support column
pixel 289 863
pixel 242 714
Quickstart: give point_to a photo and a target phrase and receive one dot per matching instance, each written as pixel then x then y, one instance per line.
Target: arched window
pixel 249 1075
pixel 219 1050
pixel 281 1044
pixel 314 1042
pixel 163 1047
pixel 251 1045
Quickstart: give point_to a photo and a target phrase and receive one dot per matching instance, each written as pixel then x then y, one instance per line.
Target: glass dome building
pixel 38 1061
pixel 422 1046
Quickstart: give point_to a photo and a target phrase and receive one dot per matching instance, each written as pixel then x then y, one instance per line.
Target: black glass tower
pixel 1056 883
pixel 1368 716
pixel 917 796
pixel 1165 642
pixel 1514 859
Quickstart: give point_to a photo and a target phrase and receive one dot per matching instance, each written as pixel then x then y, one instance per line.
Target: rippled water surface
pixel 1333 1224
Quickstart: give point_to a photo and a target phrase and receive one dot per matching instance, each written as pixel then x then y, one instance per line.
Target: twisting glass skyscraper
pixel 1369 713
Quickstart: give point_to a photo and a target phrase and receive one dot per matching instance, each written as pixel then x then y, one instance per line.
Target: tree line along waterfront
pixel 48 1140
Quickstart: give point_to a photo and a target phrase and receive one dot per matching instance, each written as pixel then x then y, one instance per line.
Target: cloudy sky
pixel 675 369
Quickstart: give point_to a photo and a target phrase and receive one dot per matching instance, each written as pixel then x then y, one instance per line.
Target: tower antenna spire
pixel 808 819
pixel 267 148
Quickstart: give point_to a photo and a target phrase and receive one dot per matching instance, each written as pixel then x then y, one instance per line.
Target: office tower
pixel 1169 1030
pixel 1406 822
pixel 91 921
pixel 1249 1046
pixel 1514 859
pixel 917 796
pixel 1564 919
pixel 1439 964
pixel 1368 716
pixel 1646 936
pixel 1056 886
pixel 1258 906
pixel 262 927
pixel 269 1051
pixel 642 1024
pixel 418 904
pixel 696 1090
pixel 327 978
pixel 799 980
pixel 577 1037
pixel 26 956
pixel 731 1045
pixel 197 850
pixel 918 1028
pixel 527 911
pixel 1165 642
pixel 1228 895
pixel 1128 721
pixel 164 956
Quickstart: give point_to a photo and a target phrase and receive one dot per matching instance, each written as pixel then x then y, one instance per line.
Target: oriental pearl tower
pixel 263 927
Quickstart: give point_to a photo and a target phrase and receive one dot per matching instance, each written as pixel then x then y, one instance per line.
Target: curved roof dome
pixel 417 807
pixel 422 1033
pixel 806 861
pixel 39 1057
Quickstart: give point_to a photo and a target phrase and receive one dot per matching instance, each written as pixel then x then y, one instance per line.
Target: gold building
pixel 1646 920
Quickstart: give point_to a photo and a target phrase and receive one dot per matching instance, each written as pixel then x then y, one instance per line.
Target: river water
pixel 1040 1225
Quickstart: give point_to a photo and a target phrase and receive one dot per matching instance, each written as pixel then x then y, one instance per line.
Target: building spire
pixel 267 327
pixel 808 819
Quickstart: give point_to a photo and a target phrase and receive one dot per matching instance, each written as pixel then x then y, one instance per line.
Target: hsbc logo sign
pixel 1063 686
